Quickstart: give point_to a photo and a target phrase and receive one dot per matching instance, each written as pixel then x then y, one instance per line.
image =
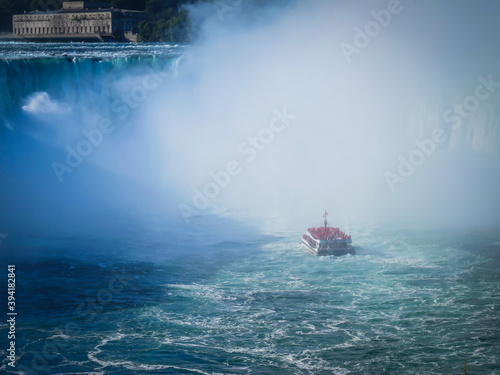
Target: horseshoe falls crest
pixel 153 196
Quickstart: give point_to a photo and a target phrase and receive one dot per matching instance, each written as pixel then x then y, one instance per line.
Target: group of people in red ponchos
pixel 328 233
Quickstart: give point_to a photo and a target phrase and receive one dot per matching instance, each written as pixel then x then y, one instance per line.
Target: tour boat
pixel 327 240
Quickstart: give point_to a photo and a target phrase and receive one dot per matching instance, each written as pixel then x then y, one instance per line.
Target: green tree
pixel 45 4
pixel 8 8
pixel 167 21
pixel 129 4
pixel 154 8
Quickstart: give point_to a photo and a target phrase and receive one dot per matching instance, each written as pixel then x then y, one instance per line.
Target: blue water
pixel 188 300
pixel 72 71
pixel 405 304
pixel 23 50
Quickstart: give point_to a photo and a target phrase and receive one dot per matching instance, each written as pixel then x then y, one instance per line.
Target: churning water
pixel 405 304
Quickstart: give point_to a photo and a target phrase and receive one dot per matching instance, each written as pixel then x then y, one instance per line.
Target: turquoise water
pixel 24 50
pixel 404 304
pixel 75 72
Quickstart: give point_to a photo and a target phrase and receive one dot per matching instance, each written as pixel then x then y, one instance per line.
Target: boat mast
pixel 325 220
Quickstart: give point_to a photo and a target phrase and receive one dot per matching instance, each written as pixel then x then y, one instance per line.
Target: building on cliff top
pixel 79 20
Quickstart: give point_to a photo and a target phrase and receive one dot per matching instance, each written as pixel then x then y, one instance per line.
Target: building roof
pixel 79 11
pixel 84 5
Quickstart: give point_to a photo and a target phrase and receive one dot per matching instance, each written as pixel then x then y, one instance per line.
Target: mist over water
pixel 353 120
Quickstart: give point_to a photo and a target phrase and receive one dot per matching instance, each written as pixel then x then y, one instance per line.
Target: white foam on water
pixel 130 365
